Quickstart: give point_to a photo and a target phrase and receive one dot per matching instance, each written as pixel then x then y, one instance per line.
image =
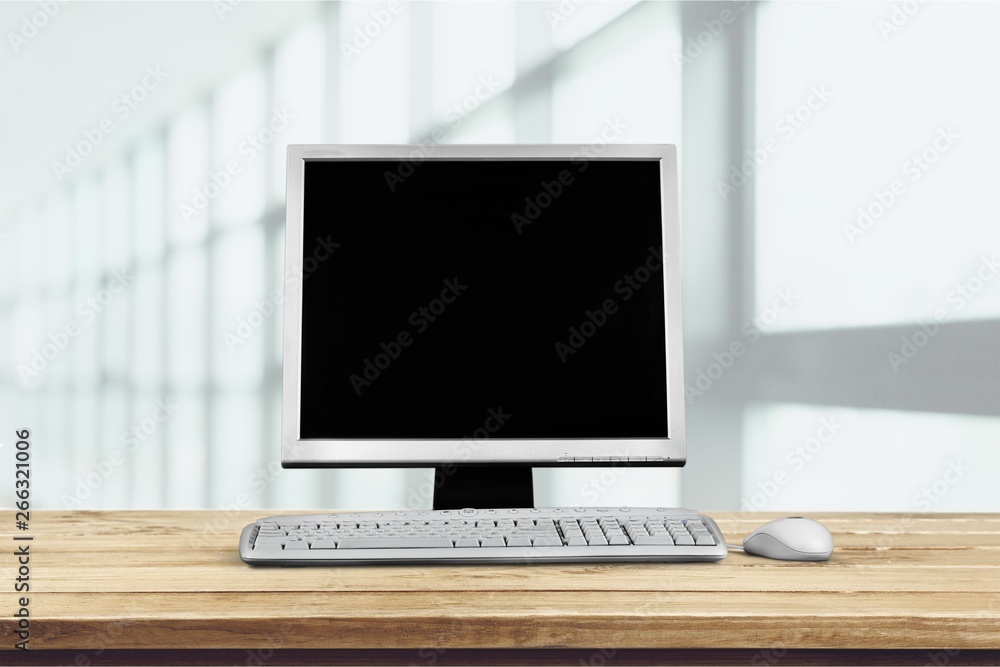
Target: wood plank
pixel 165 548
pixel 392 620
pixel 513 657
pixel 221 576
pixel 679 604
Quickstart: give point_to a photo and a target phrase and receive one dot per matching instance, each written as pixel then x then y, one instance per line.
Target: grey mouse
pixel 791 538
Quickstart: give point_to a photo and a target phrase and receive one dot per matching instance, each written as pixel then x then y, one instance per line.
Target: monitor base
pixel 483 487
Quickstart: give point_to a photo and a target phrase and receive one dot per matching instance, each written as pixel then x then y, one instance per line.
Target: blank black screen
pixel 437 292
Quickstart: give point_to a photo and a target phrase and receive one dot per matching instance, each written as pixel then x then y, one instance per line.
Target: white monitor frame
pixel 422 452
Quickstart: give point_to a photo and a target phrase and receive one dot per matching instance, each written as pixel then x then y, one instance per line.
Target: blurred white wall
pixel 840 232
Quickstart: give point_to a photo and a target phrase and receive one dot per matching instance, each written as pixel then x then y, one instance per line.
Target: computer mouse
pixel 791 538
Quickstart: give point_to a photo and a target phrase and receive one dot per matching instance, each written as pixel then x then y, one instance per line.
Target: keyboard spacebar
pixel 394 542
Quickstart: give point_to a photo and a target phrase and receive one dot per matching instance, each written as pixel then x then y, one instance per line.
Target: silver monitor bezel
pixel 418 452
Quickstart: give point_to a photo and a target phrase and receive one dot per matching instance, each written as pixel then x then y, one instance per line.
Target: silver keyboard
pixel 551 535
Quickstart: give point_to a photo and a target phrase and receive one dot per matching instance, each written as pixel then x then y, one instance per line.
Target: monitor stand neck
pixel 482 487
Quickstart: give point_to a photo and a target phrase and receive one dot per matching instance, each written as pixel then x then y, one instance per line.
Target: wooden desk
pixel 134 586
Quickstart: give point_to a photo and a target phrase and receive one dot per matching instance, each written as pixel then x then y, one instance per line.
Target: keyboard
pixel 536 535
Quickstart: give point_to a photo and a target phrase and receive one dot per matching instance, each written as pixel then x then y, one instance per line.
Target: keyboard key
pixel 518 542
pixel 323 544
pixel 649 540
pixel 467 542
pixel 296 544
pixel 495 541
pixel 547 542
pixel 394 543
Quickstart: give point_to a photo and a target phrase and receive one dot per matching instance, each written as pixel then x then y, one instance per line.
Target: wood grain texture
pixel 173 580
pixel 512 657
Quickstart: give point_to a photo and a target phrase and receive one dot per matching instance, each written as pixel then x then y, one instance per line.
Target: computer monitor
pixel 482 310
